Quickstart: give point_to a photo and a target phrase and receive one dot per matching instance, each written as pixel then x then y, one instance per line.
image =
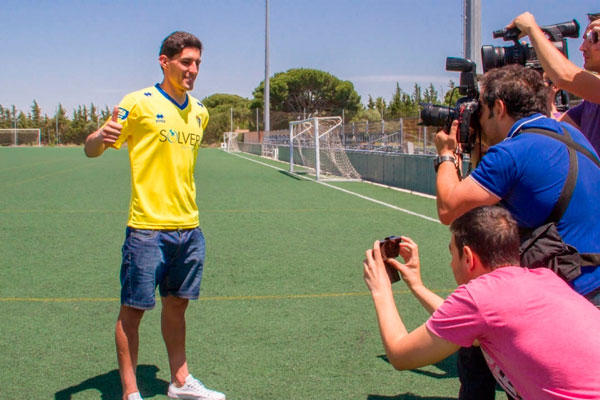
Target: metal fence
pixel 402 136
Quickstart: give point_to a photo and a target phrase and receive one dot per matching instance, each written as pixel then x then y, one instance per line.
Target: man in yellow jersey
pixel 164 245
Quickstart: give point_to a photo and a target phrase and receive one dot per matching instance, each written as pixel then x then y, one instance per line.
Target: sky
pixel 95 51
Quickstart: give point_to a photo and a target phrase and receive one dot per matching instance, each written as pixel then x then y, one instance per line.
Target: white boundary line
pixel 343 190
pixel 401 190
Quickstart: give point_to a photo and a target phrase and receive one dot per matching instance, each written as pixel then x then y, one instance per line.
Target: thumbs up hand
pixel 112 130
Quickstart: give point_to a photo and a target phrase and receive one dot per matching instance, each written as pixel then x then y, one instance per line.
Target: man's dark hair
pixel 177 41
pixel 521 89
pixel 491 232
pixel 593 16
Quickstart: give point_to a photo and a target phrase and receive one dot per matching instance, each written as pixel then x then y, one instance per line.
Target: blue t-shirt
pixel 528 171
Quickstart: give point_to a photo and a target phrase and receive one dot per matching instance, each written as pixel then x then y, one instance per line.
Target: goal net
pixel 230 144
pixel 20 137
pixel 316 144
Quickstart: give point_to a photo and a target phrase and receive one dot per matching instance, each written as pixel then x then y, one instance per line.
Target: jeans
pixel 173 260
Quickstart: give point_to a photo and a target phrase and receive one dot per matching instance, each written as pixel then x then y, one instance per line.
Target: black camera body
pixel 390 248
pixel 524 54
pixel 466 109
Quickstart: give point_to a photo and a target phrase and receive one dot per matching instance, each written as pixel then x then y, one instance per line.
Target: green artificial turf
pixel 283 314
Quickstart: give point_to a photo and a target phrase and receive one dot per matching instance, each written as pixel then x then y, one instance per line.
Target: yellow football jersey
pixel 163 139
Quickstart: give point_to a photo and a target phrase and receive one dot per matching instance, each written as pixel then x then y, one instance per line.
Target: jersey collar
pixel 172 100
pixel 522 122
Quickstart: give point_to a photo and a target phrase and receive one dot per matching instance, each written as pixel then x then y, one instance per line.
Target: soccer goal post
pixel 20 137
pixel 230 142
pixel 316 144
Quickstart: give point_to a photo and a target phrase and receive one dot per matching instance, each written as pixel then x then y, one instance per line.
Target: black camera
pixel 466 109
pixel 524 54
pixel 390 248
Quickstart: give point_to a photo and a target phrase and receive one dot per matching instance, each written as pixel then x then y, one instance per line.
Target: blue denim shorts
pixel 171 260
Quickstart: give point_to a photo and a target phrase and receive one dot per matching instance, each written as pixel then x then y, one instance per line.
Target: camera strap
pixel 567 191
pixel 543 246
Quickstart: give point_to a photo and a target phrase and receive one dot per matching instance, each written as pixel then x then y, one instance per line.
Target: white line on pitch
pixel 343 190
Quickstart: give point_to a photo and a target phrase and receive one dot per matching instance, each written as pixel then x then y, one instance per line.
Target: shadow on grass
pixel 406 396
pixel 448 366
pixel 109 384
pixel 294 175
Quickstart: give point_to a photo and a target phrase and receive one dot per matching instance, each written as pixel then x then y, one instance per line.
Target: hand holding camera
pixel 378 275
pixel 380 264
pixel 411 269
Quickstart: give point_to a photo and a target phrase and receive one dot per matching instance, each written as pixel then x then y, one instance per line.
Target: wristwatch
pixel 440 159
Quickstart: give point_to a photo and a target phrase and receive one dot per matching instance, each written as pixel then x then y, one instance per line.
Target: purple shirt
pixel 587 116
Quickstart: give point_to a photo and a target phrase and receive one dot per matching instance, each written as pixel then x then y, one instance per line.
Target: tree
pixel 105 114
pixel 431 95
pixel 47 129
pixel 396 103
pixel 62 125
pixel 417 94
pixel 81 126
pixel 22 120
pixel 36 115
pixel 380 106
pixel 220 107
pixel 451 95
pixel 370 115
pixel 309 92
pixel 370 103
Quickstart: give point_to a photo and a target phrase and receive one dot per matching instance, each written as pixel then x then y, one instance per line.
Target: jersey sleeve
pixel 127 117
pixel 205 120
pixel 496 171
pixel 458 319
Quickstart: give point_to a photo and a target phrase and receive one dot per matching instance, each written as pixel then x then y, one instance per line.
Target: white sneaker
pixel 134 396
pixel 193 389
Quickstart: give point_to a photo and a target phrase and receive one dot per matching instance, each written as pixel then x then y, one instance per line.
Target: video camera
pixel 524 54
pixel 466 109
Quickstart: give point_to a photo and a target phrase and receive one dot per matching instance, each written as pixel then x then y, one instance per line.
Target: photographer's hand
pixel 411 274
pixel 374 272
pixel 411 269
pixel 446 143
pixel 525 23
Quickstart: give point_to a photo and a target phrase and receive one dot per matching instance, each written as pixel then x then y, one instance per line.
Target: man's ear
pixel 473 263
pixel 499 108
pixel 162 59
pixel 470 258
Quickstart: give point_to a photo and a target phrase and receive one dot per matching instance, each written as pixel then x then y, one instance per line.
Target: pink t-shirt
pixel 535 331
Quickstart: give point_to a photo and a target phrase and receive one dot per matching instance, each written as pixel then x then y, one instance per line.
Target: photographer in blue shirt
pixel 524 172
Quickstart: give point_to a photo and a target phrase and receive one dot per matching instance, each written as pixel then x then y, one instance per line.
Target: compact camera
pixel 390 248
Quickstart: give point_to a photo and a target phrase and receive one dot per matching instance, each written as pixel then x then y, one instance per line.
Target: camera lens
pixel 492 57
pixel 436 115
